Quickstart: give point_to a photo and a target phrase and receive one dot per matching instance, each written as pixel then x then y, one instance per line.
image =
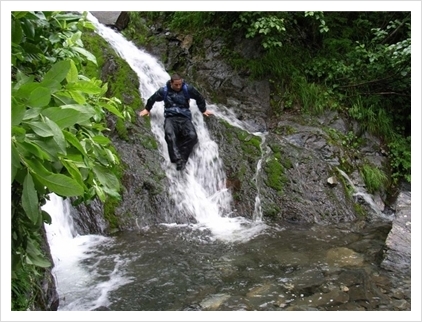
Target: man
pixel 180 134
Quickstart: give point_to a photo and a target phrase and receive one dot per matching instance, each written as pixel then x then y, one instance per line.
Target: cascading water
pixel 77 281
pixel 200 191
pixel 359 192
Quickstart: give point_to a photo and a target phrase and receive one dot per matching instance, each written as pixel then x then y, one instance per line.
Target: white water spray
pixel 200 192
pixel 69 249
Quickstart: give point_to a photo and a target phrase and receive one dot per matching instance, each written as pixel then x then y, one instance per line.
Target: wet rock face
pixel 398 243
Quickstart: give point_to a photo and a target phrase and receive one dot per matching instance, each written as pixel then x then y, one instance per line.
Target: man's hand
pixel 144 112
pixel 207 113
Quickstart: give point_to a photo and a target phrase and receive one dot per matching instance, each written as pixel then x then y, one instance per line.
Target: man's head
pixel 176 82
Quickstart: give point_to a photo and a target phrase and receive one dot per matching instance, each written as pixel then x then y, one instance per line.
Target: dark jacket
pixel 176 103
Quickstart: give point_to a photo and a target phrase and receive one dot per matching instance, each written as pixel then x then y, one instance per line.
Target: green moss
pixel 249 143
pixel 271 211
pixel 109 213
pixel 122 129
pixel 124 83
pixel 149 142
pixel 359 210
pixel 275 172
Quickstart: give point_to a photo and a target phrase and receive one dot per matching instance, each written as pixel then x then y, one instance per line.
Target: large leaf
pixel 112 109
pixel 57 135
pixel 49 146
pixel 17 33
pixel 73 140
pixel 28 28
pixel 52 84
pixel 78 97
pixel 59 71
pixel 100 139
pixel 39 97
pixel 42 129
pixel 30 149
pixel 32 113
pixel 30 199
pixel 73 171
pixel 62 185
pixel 86 53
pixel 65 118
pixel 72 76
pixel 85 87
pixel 18 111
pixel 35 256
pixel 106 178
pixel 26 89
pixel 86 109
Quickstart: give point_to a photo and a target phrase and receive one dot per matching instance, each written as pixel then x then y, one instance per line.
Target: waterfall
pixel 359 192
pixel 200 191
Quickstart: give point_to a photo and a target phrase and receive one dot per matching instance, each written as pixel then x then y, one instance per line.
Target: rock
pixel 214 301
pixel 342 256
pixel 398 254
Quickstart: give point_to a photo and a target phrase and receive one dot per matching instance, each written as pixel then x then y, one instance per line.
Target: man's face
pixel 176 85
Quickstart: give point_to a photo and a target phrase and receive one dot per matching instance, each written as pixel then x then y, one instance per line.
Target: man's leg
pixel 188 139
pixel 171 139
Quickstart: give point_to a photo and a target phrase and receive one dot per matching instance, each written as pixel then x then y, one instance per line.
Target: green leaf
pixel 34 255
pixel 106 178
pixel 72 76
pixel 17 33
pixel 65 118
pixel 101 140
pixel 86 53
pixel 85 109
pixel 57 135
pixel 18 133
pixel 74 171
pixel 73 140
pixel 48 145
pixel 58 72
pixel 62 185
pixel 84 87
pixel 30 149
pixel 28 28
pixel 18 111
pixel 30 199
pixel 26 89
pixel 42 129
pixel 52 84
pixel 46 217
pixel 112 109
pixel 78 97
pixel 16 161
pixel 39 97
pixel 32 113
pixel 58 183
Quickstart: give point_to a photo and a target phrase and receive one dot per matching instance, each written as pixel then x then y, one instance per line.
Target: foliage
pixel 375 179
pixel 58 123
pixel 400 158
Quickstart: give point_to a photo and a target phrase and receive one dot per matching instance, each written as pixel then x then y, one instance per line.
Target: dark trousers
pixel 181 137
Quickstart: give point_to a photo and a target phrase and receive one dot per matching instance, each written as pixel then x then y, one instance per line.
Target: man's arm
pixel 156 97
pixel 200 101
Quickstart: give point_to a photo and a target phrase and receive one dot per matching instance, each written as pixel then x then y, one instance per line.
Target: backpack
pixel 184 89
